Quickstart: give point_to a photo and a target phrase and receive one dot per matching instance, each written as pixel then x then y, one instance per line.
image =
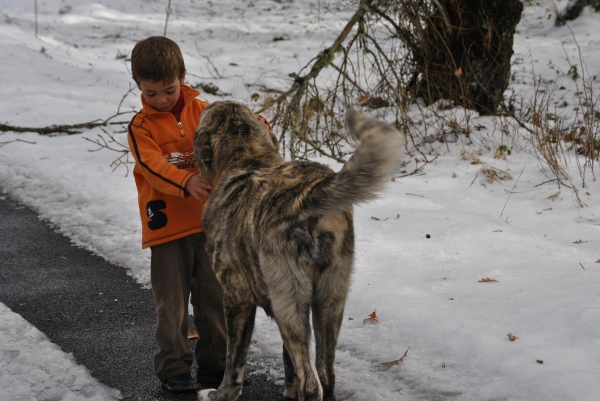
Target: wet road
pixel 88 307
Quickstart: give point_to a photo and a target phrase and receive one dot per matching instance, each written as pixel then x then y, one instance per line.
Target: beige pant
pixel 181 268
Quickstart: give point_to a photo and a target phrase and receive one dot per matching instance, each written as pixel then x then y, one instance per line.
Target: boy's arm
pixel 162 175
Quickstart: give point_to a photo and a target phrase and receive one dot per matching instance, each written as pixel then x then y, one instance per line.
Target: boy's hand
pixel 197 186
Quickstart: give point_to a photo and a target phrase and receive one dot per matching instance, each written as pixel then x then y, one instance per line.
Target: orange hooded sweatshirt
pixel 163 149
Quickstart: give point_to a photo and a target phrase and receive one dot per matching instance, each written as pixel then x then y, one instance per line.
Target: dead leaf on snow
pixel 488 280
pixel 579 241
pixel 511 337
pixel 397 361
pixel 539 361
pixel 372 318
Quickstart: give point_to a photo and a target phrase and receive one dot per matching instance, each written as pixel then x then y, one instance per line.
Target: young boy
pixel 171 195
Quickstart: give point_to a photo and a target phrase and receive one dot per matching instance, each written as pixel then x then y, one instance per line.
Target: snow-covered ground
pixel 422 247
pixel 32 368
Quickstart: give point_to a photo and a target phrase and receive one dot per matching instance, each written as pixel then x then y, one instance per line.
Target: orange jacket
pixel 163 149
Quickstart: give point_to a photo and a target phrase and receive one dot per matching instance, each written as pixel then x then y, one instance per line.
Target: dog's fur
pixel 280 235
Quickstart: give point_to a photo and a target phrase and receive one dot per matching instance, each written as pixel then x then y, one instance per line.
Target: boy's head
pixel 159 71
pixel 157 59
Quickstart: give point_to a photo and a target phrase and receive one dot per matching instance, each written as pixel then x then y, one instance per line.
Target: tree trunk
pixel 465 52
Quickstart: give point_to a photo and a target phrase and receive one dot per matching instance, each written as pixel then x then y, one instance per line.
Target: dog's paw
pixel 204 395
pixel 290 394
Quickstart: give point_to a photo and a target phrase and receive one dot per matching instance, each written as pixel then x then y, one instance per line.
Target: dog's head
pixel 229 135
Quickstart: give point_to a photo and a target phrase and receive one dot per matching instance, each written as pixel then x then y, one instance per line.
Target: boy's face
pixel 160 95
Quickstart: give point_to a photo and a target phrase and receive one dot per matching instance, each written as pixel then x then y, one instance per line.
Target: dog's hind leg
pixel 327 315
pixel 327 320
pixel 240 324
pixel 295 332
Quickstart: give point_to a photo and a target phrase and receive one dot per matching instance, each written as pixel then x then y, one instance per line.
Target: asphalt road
pixel 88 307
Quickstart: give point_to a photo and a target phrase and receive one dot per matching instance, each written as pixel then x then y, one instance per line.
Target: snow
pixel 425 291
pixel 32 368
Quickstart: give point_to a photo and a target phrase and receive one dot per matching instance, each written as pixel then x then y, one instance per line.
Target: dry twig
pixel 113 145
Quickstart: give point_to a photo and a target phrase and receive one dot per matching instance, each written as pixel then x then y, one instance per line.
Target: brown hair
pixel 156 59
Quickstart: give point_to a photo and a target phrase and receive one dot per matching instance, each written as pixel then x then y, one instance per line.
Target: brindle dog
pixel 280 235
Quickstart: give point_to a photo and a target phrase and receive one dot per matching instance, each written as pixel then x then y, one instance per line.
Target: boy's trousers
pixel 179 268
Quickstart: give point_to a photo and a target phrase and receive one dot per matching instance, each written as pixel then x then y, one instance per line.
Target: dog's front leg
pixel 292 383
pixel 240 324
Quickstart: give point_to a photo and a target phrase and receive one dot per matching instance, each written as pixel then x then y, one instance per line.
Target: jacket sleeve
pixel 264 121
pixel 162 175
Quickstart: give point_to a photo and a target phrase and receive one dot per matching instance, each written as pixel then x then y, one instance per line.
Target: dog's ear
pixel 274 140
pixel 203 151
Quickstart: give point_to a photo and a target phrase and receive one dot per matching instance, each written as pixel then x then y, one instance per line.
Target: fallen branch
pixel 72 129
pixel 324 58
pixel 289 109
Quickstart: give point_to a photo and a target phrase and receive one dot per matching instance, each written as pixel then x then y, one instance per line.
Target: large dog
pixel 280 235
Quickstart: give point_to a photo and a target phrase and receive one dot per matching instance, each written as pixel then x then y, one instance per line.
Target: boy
pixel 171 196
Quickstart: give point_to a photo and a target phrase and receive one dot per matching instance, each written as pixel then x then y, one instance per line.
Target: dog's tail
pixel 376 158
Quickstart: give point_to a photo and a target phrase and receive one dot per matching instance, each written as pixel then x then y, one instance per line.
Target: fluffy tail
pixel 375 159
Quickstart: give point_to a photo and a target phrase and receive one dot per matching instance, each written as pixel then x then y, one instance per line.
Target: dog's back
pixel 281 236
pixel 265 229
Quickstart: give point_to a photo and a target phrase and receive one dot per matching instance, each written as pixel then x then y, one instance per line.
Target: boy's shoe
pixel 184 382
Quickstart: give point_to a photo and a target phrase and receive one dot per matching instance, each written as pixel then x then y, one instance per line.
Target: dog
pixel 280 236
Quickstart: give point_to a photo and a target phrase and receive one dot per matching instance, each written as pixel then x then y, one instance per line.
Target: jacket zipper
pixel 179 124
pixel 180 128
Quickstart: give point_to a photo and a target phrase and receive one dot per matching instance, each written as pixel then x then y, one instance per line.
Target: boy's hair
pixel 156 59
